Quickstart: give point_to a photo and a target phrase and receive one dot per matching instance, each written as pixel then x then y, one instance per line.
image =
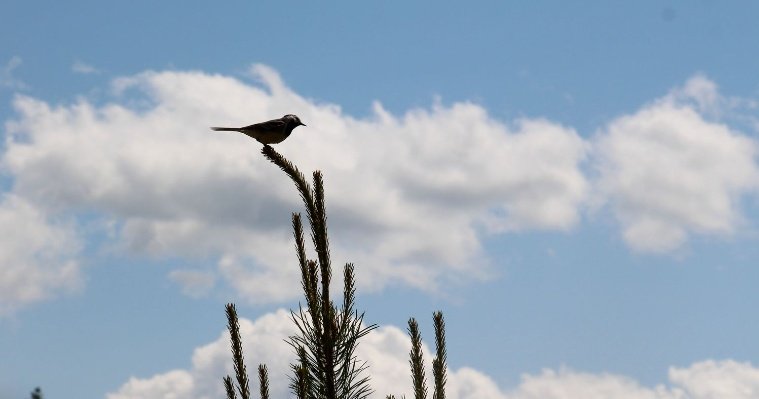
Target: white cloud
pixel 37 256
pixel 386 351
pixel 409 197
pixel 83 68
pixel 700 92
pixel 668 172
pixel 703 380
pixel 6 74
pixel 718 379
pixel 263 342
pixel 177 384
pixel 568 384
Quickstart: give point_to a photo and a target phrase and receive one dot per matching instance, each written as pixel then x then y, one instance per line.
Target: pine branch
pixel 301 387
pixel 237 355
pixel 439 363
pixel 263 379
pixel 320 231
pixel 300 249
pixel 416 361
pixel 327 335
pixel 349 288
pixel 315 208
pixel 297 177
pixel 229 387
pixel 300 384
pixel 315 218
pixel 321 242
pixel 308 269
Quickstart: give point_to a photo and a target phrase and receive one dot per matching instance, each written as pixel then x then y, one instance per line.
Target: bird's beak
pixel 302 124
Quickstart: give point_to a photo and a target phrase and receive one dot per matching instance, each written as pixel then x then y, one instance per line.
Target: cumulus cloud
pixel 172 385
pixel 703 95
pixel 409 197
pixel 7 79
pixel 668 171
pixel 386 350
pixel 37 256
pixel 263 342
pixel 83 68
pixel 567 384
pixel 718 379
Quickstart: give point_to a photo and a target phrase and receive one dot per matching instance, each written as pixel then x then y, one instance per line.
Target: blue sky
pixel 574 187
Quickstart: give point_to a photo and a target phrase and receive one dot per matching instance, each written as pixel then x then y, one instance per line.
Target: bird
pixel 269 132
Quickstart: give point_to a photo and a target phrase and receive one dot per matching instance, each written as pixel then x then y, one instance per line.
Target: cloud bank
pixel 386 351
pixel 668 171
pixel 7 78
pixel 410 197
pixel 38 256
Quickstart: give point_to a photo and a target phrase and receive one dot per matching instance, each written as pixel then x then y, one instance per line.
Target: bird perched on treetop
pixel 269 132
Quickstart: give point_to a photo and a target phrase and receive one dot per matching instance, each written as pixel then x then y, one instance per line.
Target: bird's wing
pixel 275 124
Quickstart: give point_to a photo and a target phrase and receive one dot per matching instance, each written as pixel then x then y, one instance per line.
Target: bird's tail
pixel 225 129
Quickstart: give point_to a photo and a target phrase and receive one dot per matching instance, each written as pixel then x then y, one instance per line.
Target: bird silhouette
pixel 269 132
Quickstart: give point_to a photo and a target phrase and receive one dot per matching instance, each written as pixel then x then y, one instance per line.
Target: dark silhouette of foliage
pixel 327 334
pixel 439 363
pixel 237 357
pixel 263 381
pixel 416 361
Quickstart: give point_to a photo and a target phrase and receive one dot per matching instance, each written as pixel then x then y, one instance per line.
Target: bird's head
pixel 293 120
